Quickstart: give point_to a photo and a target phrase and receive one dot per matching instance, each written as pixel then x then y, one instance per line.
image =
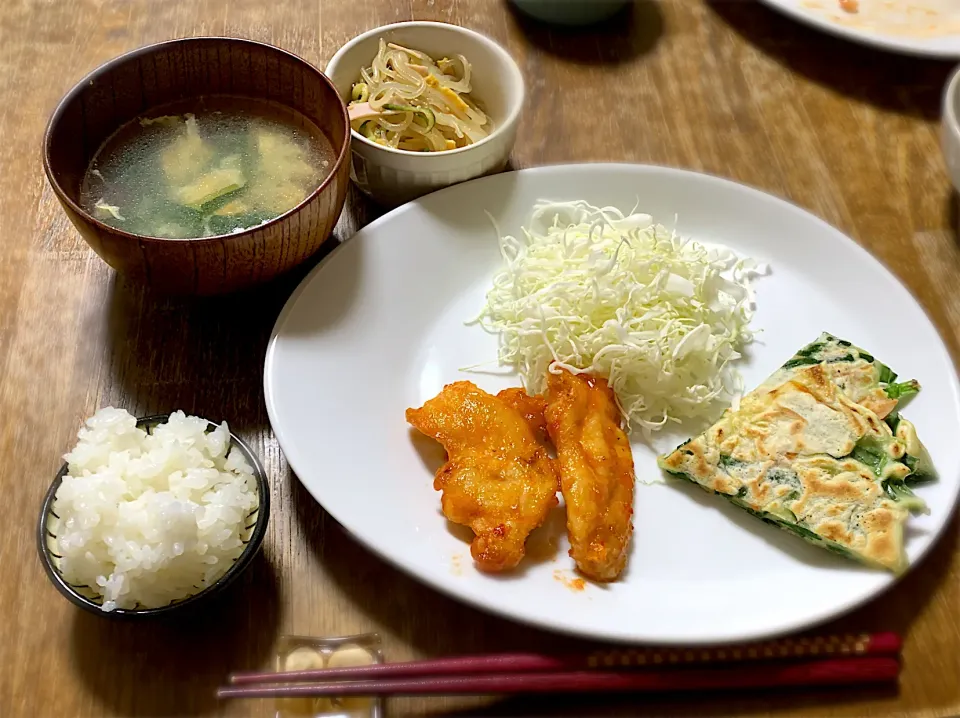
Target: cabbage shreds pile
pixel 661 317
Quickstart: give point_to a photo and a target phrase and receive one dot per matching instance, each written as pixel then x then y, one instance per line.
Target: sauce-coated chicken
pixel 499 479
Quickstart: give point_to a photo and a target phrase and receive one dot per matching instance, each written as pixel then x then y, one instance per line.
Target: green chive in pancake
pixel 820 450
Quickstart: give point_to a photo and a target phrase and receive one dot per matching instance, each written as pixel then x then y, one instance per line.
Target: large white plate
pixel 379 327
pixel 896 26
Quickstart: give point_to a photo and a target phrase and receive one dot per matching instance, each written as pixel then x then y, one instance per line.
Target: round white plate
pixel 378 327
pixel 903 27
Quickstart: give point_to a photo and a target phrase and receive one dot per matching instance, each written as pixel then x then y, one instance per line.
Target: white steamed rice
pixel 146 519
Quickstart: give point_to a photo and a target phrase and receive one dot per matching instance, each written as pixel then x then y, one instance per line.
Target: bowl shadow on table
pixel 173 666
pixel 630 33
pixel 204 355
pixel 898 83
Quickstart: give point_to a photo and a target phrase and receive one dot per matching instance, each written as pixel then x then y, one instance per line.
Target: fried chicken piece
pixel 596 471
pixel 532 408
pixel 498 479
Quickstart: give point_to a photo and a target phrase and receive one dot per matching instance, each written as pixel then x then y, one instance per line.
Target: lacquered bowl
pixel 174 71
pixel 84 597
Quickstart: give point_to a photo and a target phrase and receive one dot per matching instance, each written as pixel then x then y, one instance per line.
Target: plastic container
pixel 306 652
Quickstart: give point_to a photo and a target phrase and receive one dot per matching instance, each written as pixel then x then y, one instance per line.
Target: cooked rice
pixel 148 519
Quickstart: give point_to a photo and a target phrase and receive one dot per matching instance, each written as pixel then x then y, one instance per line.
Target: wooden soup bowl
pixel 139 81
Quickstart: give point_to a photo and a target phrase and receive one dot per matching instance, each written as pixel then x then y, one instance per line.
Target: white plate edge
pixel 888 43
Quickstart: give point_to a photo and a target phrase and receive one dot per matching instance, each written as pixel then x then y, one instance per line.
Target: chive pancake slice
pixel 820 450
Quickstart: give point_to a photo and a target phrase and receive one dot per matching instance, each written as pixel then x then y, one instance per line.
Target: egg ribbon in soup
pixel 229 165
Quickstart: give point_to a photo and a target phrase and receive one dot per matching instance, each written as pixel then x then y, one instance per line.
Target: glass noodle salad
pixel 407 101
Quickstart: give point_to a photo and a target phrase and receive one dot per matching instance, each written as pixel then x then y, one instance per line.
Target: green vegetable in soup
pixel 228 178
pixel 229 165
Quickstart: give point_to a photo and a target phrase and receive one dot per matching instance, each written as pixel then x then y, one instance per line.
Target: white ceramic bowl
pixel 950 127
pixel 392 176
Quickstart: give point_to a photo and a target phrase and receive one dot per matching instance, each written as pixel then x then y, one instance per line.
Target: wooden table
pixel 723 87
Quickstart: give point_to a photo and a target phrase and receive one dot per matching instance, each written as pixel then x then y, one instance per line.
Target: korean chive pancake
pixel 819 450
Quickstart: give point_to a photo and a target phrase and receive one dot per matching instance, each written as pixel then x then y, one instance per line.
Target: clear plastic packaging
pixel 305 652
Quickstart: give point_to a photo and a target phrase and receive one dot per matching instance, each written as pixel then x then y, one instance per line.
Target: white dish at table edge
pixel 950 127
pixel 378 326
pixel 947 46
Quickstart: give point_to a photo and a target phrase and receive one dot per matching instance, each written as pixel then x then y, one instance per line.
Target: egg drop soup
pixel 208 167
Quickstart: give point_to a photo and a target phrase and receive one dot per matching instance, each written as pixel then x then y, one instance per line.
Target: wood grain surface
pixel 729 88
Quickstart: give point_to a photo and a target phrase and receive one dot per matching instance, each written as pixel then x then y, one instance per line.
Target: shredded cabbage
pixel 590 289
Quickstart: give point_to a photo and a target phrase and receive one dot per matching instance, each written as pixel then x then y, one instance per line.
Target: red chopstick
pixel 833 671
pixel 878 644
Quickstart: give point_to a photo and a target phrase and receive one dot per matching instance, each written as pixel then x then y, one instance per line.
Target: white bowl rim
pixel 950 93
pixel 497 49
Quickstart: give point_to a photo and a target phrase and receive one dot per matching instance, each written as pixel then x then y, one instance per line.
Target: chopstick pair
pixel 792 662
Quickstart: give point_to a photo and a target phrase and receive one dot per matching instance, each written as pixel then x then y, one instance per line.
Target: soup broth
pixel 216 166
